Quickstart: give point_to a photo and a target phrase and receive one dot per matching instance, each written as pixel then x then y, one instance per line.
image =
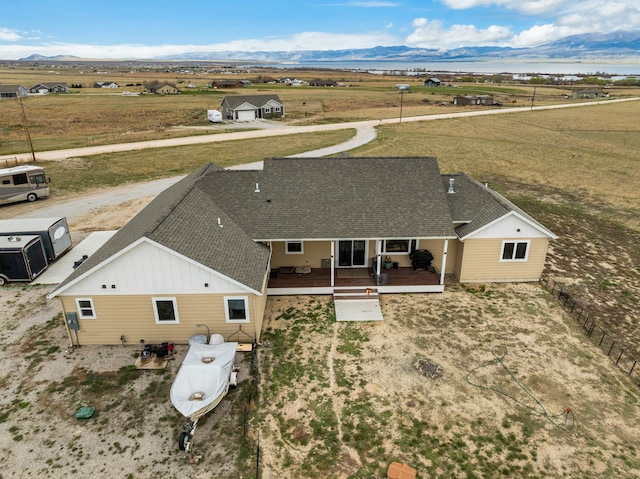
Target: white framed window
pixel 398 246
pixel 267 109
pixel 294 247
pixel 236 309
pixel 515 250
pixel 165 310
pixel 86 309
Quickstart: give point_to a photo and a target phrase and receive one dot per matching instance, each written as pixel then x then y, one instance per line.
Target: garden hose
pixel 565 420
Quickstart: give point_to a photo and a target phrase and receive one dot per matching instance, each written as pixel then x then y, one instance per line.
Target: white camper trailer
pixel 214 116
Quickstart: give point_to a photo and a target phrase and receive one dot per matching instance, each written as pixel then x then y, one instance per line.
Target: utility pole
pixel 533 98
pixel 26 128
pixel 401 96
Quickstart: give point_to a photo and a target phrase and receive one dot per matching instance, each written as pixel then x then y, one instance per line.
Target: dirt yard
pixel 335 400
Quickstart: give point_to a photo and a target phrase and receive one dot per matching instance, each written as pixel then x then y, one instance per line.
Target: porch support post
pixel 333 263
pixel 378 257
pixel 444 260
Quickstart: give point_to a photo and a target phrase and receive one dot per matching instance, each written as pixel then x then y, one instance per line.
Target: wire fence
pixel 624 358
pixel 251 435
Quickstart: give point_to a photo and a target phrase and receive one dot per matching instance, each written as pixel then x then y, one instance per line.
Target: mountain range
pixel 615 46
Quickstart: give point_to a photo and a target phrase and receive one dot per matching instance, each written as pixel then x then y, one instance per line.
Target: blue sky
pixel 146 29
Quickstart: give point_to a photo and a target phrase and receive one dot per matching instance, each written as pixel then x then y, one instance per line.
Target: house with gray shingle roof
pixel 252 107
pixel 12 91
pixel 212 248
pixel 49 87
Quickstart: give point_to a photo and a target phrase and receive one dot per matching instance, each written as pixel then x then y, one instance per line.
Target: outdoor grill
pixel 421 259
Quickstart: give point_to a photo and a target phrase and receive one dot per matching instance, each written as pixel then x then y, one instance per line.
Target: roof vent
pixel 257 190
pixel 220 223
pixel 14 238
pixel 451 190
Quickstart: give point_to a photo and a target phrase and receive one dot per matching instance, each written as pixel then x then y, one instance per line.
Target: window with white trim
pixel 294 247
pixel 236 309
pixel 392 246
pixel 165 310
pixel 86 309
pixel 515 251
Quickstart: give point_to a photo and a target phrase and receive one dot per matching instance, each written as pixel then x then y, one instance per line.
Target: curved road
pixel 361 126
pixel 85 203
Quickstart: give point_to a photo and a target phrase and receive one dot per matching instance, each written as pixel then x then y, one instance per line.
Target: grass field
pixel 576 170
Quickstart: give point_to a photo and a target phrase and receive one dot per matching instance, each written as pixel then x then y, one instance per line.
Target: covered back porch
pixel 318 281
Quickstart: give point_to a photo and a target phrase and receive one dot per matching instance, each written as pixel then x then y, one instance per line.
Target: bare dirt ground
pixel 470 417
pixel 335 399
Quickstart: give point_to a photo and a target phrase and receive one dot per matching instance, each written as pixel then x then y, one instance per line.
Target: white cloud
pixel 8 35
pixel 531 7
pixel 300 41
pixel 433 34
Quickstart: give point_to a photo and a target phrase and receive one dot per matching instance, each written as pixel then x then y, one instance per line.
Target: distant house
pixel 593 93
pixel 12 91
pixel 106 84
pixel 227 84
pixel 211 248
pixel 161 88
pixel 432 82
pixel 44 88
pixel 292 81
pixel 252 107
pixel 320 82
pixel 470 100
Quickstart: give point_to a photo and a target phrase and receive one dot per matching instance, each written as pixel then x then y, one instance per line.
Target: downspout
pixel 333 266
pixel 444 261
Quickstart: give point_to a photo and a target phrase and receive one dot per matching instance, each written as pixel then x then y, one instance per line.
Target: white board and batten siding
pixel 511 226
pixel 148 268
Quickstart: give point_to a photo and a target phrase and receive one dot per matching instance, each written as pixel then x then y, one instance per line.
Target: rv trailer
pixel 22 258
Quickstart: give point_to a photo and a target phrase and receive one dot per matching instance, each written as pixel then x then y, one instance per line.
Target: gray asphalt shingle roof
pixel 304 199
pixel 332 198
pixel 185 220
pixel 234 101
pixel 476 205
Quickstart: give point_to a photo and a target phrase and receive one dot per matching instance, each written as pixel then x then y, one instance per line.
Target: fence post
pixel 618 360
pixel 612 344
pixel 632 367
pixel 604 333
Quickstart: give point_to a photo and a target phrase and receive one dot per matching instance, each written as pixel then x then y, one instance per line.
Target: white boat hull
pixel 203 379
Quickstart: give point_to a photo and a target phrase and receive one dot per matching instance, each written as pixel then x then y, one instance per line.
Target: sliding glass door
pixel 352 253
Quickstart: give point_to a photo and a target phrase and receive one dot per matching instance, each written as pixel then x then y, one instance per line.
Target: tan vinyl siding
pixel 458 263
pixel 314 252
pixel 482 262
pixel 132 317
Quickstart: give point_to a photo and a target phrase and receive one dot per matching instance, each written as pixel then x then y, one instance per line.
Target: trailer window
pixel 20 179
pixel 86 310
pixel 38 179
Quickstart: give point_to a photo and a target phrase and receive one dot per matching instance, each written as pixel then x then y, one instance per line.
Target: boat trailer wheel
pixel 184 443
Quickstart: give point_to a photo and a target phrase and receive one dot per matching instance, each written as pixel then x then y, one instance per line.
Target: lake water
pixel 480 67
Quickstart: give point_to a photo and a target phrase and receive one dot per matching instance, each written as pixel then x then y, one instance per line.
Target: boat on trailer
pixel 201 383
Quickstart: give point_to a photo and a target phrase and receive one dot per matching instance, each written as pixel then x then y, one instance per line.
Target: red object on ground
pixel 400 471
